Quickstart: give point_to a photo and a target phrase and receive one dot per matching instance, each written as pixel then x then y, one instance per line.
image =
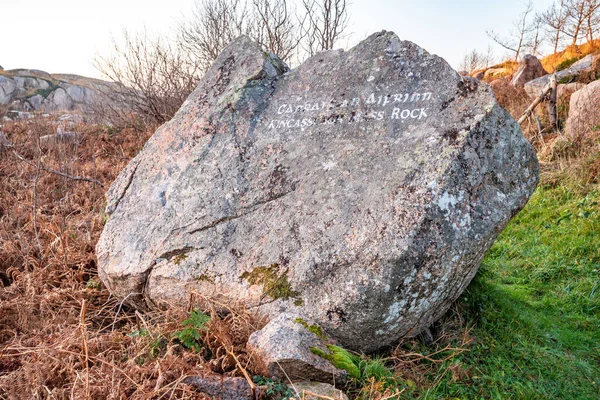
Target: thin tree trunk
pixel 551 106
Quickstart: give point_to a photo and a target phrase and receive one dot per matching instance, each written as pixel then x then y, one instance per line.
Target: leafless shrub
pixel 520 37
pixel 474 60
pixel 325 23
pixel 151 79
pixel 214 23
pixel 276 27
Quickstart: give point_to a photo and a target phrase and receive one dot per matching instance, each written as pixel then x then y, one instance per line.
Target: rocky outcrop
pixel 530 68
pixel 360 190
pixel 584 113
pixel 586 64
pixel 35 90
pixel 8 90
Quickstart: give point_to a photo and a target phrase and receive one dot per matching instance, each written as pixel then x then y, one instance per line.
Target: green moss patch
pixel 274 282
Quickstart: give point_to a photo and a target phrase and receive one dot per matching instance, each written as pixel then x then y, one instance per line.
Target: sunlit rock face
pixel 360 190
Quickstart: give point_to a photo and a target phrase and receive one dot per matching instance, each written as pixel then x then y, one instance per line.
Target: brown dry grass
pixel 571 53
pixel 61 333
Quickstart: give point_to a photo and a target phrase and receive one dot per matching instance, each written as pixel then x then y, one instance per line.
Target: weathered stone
pixel 360 190
pixel 535 87
pixel 58 100
pixel 31 83
pixel 222 387
pixel 479 75
pixel 584 112
pixel 34 102
pixel 497 83
pixel 8 90
pixel 317 391
pixel 64 137
pixel 495 73
pixel 564 91
pixel 530 68
pixel 283 347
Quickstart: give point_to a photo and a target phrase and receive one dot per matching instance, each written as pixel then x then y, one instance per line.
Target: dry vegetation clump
pixel 564 59
pixel 61 333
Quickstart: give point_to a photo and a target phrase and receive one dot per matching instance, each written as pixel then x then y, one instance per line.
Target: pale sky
pixel 63 36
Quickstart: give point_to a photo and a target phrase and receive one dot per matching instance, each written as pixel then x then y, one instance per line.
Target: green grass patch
pixel 535 306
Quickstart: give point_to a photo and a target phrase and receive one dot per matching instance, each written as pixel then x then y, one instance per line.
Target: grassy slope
pixel 536 306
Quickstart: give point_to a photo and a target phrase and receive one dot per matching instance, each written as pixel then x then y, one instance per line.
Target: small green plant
pixel 567 63
pixel 360 367
pixel 274 389
pixel 190 335
pixel 92 284
pixel 139 333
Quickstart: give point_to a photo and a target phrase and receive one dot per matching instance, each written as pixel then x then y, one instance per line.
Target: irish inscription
pixel 302 112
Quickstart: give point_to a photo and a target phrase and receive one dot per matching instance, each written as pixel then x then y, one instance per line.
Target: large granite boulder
pixel 584 110
pixel 360 190
pixel 530 68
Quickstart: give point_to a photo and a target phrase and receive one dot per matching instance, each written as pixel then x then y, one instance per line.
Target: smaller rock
pixel 65 137
pixel 317 391
pixel 478 75
pixel 497 83
pixel 564 91
pixel 495 73
pixel 283 348
pixel 221 387
pixel 530 68
pixel 8 90
pixel 35 102
pixel 59 100
pixel 584 114
pixel 15 115
pixel 463 73
pixel 71 118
